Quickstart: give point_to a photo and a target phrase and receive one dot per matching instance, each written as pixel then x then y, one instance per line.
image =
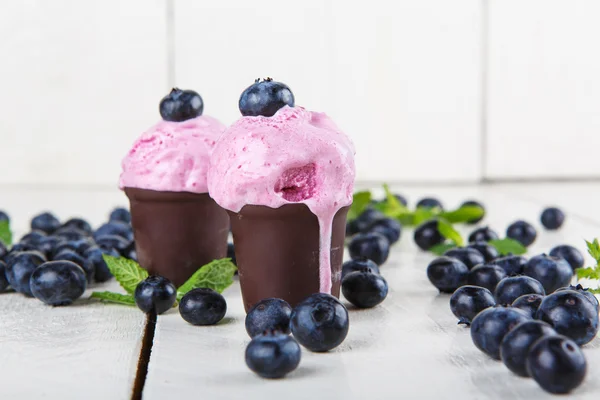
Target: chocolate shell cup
pixel 277 252
pixel 176 233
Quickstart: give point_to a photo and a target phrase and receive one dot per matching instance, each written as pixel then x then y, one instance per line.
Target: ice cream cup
pixel 277 252
pixel 176 233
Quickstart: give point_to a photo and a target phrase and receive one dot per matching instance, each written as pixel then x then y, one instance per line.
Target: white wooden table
pixel 409 347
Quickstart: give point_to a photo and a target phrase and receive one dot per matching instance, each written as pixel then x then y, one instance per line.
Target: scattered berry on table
pixel 95 266
pixel 430 202
pixel 522 231
pixel 489 327
pixel 557 364
pixel 483 234
pixel 373 246
pixel 487 276
pixel 509 289
pixel 265 97
pixel 551 272
pixel 552 218
pixel 388 227
pixel 3 281
pixel 320 322
pixel 364 289
pixel 488 251
pixel 69 255
pixel 120 214
pixel 155 294
pixel 45 222
pixel 58 283
pixel 428 235
pixel 447 274
pixel 569 253
pixel 117 228
pixel 474 203
pixel 528 303
pixel 584 291
pixel 516 344
pixel 70 233
pixel 202 306
pixel 359 264
pixel 512 265
pixel 468 301
pixel 469 257
pixel 19 269
pixel 362 223
pixel 269 315
pixel 33 237
pixel 571 314
pixel 48 245
pixel 122 245
pixel 78 223
pixel 181 105
pixel 273 355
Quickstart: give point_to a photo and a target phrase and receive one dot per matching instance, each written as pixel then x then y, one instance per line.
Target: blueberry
pixel 58 283
pixel 3 250
pixel 489 327
pixel 120 214
pixel 516 344
pixel 484 234
pixel 48 245
pixel 79 246
pixel 69 255
pixel 552 218
pixel 320 322
pixel 488 251
pixel 78 223
pixel 19 269
pixel 96 266
pixel 427 235
pixel 580 289
pixel 469 257
pixel 373 246
pixel 45 222
pixel 34 238
pixel 4 216
pixel 512 265
pixel 202 306
pixel 362 223
pixel 556 364
pixel 3 281
pixel 551 272
pixel 265 98
pixel 509 289
pixel 522 231
pixel 359 264
pixel 447 274
pixel 571 314
pixel 269 315
pixel 231 253
pixel 528 303
pixel 181 105
pixel 468 301
pixel 122 245
pixel 430 202
pixel 132 254
pixel 474 203
pixel 364 289
pixel 569 253
pixel 155 294
pixel 273 355
pixel 388 227
pixel 486 275
pixel 20 248
pixel 70 233
pixel 115 228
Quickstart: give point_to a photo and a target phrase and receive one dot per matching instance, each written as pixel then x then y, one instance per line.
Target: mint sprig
pixel 360 202
pixel 463 214
pixel 508 246
pixel 5 233
pixel 216 275
pixel 127 272
pixel 592 272
pixel 447 230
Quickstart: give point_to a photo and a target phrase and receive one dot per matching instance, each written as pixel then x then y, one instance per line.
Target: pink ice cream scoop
pixel 172 156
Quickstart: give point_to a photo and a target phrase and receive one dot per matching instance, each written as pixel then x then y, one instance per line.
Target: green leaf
pixel 5 233
pixel 360 201
pixel 127 272
pixel 588 273
pixel 216 275
pixel 440 249
pixel 594 250
pixel 423 214
pixel 508 246
pixel 112 297
pixel 462 214
pixel 447 230
pixel 391 207
pixel 594 291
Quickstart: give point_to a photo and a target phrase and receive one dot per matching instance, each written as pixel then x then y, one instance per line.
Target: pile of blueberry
pixel 56 260
pixel 522 311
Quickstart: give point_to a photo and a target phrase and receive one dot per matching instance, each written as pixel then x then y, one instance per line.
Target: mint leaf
pixel 127 272
pixel 508 246
pixel 594 250
pixel 447 230
pixel 423 214
pixel 440 249
pixel 5 233
pixel 588 273
pixel 462 214
pixel 594 291
pixel 391 206
pixel 216 275
pixel 112 297
pixel 360 201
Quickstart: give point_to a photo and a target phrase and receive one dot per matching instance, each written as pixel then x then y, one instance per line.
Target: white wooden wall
pixel 430 90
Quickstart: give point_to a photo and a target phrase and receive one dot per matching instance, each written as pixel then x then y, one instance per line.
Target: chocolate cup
pixel 277 252
pixel 176 233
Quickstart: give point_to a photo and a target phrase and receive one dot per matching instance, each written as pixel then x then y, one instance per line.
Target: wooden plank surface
pixel 409 347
